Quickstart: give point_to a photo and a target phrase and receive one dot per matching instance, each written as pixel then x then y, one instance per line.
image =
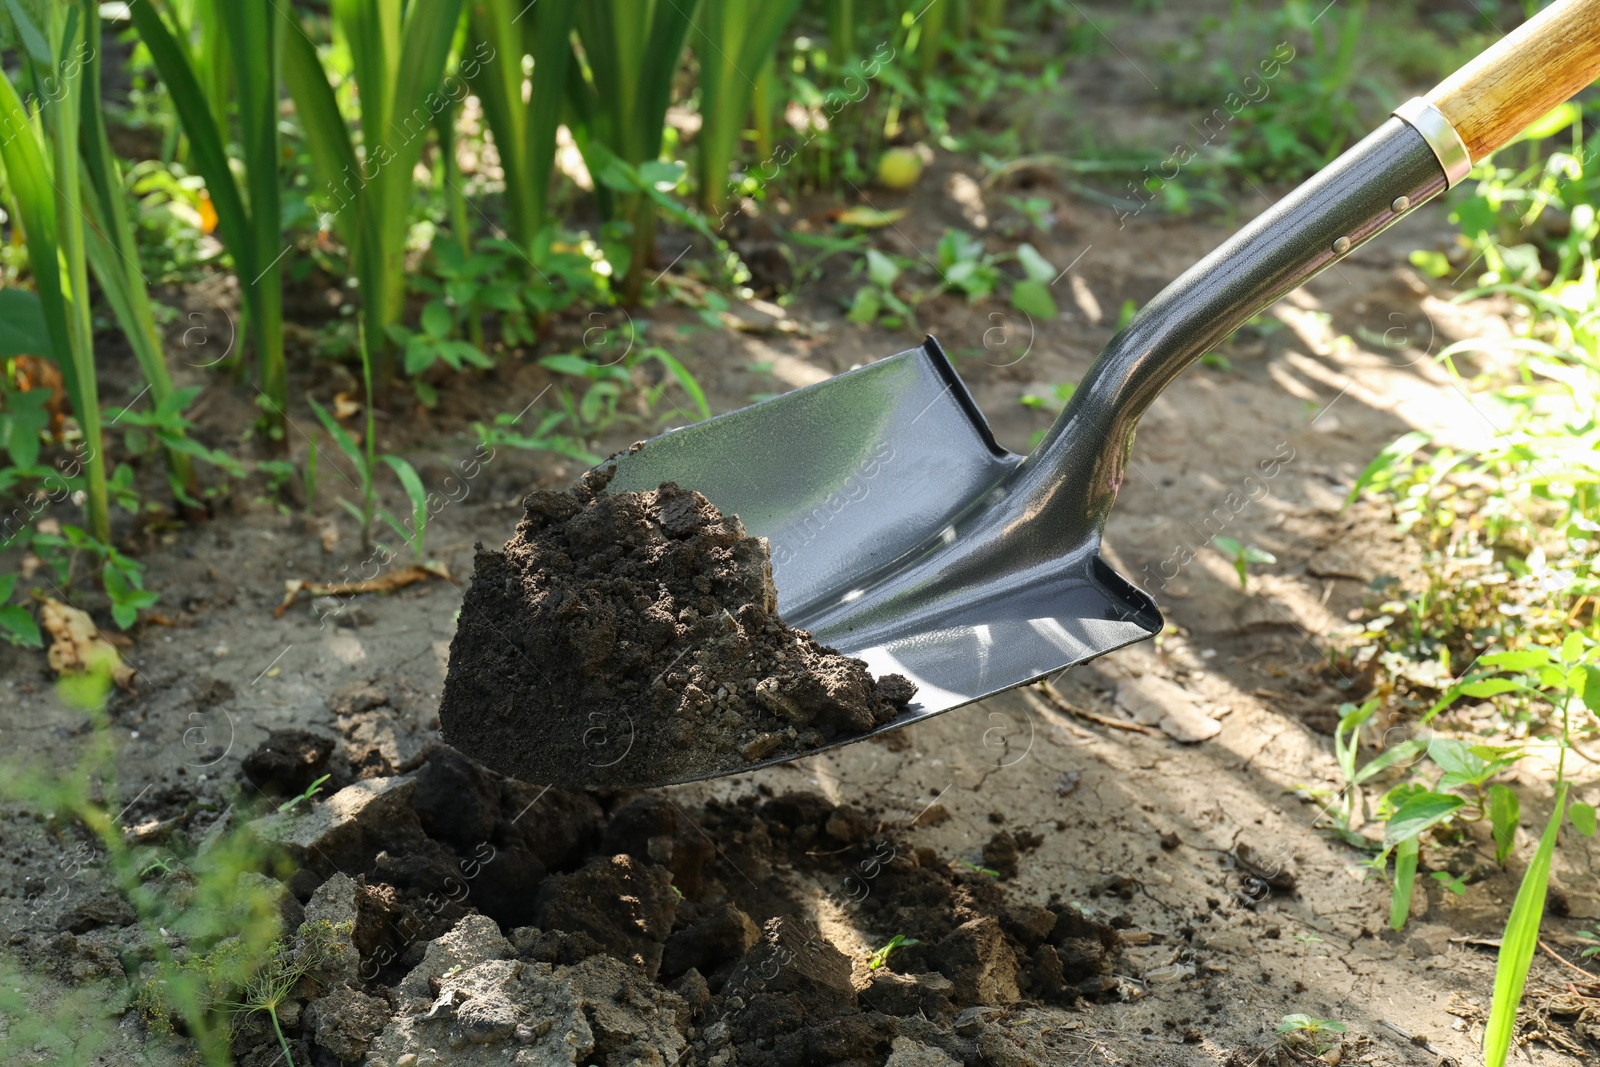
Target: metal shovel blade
pixel 866 486
pixel 902 534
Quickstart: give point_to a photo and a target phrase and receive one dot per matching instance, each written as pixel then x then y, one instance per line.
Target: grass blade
pixel 1520 940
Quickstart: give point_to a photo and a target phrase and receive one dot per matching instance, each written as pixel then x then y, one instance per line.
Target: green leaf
pixel 1388 758
pixel 1572 648
pixel 1505 810
pixel 567 363
pixel 1583 818
pixel 881 269
pixel 1417 814
pixel 864 308
pixel 22 327
pixel 1405 875
pixel 1591 688
pixel 1033 298
pixel 436 320
pixel 1525 660
pixel 1389 457
pixel 420 355
pixel 1034 265
pixel 1520 940
pixel 18 624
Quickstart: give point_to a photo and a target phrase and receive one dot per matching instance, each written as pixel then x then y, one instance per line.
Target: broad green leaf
pixel 17 621
pixel 436 320
pixel 1417 814
pixel 1525 660
pixel 1033 298
pixel 1505 810
pixel 1034 265
pixel 864 308
pixel 22 327
pixel 1572 648
pixel 1583 817
pixel 881 269
pixel 1405 750
pixel 567 363
pixel 1518 944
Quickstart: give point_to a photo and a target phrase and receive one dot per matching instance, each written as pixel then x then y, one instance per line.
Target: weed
pixel 310 791
pixel 1592 936
pixel 1242 556
pixel 1310 1029
pixel 881 957
pixel 877 302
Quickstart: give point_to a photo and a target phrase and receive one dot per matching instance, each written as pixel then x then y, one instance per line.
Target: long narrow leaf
pixel 1520 940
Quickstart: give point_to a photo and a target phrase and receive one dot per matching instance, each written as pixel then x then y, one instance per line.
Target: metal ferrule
pixel 1441 136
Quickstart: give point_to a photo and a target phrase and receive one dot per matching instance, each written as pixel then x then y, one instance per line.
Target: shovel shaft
pixel 1073 476
pixel 1531 70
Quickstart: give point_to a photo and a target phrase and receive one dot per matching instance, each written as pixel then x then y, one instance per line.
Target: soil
pixel 623 639
pixel 1230 910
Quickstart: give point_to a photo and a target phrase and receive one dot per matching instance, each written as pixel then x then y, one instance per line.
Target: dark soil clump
pixel 632 638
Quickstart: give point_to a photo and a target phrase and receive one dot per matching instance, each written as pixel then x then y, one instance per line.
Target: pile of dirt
pixel 516 924
pixel 622 639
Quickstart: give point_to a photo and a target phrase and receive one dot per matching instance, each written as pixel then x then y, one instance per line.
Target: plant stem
pixel 272 1013
pixel 370 445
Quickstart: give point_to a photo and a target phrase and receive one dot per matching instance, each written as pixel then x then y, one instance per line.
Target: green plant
pixel 202 903
pixel 310 791
pixel 415 527
pixel 631 50
pixel 16 622
pixel 881 957
pixel 398 55
pixel 249 219
pixel 877 301
pixel 43 171
pixel 1242 556
pixel 608 382
pixel 732 37
pixel 524 131
pixel 1592 936
pixel 1311 1029
pixel 965 267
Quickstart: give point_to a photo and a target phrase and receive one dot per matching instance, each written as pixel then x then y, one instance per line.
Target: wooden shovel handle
pixel 1531 70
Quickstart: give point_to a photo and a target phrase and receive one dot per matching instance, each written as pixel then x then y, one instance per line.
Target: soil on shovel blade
pixel 630 638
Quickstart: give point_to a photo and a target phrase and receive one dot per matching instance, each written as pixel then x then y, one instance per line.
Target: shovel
pixel 901 533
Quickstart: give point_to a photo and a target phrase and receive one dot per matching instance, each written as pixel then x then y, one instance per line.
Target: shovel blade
pixel 851 480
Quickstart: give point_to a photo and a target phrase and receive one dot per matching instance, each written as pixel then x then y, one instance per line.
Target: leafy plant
pixel 732 37
pixel 398 55
pixel 1242 556
pixel 881 957
pixel 620 98
pixel 43 171
pixel 17 624
pixel 876 301
pixel 310 791
pixel 249 220
pixel 509 32
pixel 1311 1029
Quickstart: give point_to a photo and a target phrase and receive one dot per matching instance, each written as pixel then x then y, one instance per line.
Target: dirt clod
pixel 625 638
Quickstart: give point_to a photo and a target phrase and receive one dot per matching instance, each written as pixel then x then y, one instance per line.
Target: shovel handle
pixel 1528 72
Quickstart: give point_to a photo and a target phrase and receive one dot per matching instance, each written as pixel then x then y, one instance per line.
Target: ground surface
pixel 1235 911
